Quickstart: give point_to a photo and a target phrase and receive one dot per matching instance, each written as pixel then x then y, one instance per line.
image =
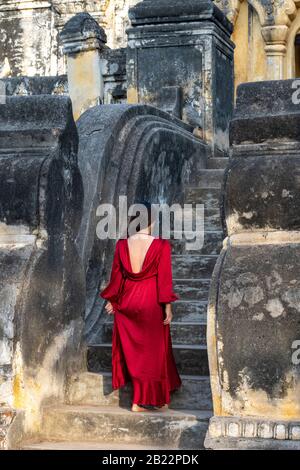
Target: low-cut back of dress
pixel 141 346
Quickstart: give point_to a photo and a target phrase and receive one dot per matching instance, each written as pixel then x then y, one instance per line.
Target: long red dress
pixel 141 346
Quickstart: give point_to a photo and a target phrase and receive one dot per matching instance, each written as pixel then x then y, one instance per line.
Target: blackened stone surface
pixel 266 111
pixel 154 11
pixel 171 100
pixel 18 196
pixel 263 194
pixel 39 138
pixel 113 63
pixel 154 71
pixel 271 97
pixel 35 113
pixel 116 61
pixel 82 26
pixel 56 85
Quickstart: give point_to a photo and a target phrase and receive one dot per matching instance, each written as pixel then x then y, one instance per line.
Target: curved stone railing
pixel 42 285
pixel 133 150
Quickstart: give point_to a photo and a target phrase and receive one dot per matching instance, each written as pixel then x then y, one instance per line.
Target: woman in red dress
pixel 139 295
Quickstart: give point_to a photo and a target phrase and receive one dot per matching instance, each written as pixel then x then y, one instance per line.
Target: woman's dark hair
pixel 146 221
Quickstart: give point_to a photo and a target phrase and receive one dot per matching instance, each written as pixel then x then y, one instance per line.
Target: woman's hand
pixel 169 315
pixel 109 308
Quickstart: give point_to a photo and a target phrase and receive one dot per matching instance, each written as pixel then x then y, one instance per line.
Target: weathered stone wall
pixel 26 38
pixel 27 86
pixel 29 32
pixel 6 419
pixel 113 64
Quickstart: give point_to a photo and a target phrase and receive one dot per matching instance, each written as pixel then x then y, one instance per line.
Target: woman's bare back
pixel 138 245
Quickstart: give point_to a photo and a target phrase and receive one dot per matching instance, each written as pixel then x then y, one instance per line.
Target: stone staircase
pixel 97 417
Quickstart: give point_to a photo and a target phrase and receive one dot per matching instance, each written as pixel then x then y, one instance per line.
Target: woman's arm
pixel 166 295
pixel 111 291
pixel 169 314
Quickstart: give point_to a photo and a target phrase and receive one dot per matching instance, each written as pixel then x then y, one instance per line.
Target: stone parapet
pixel 41 280
pixel 266 119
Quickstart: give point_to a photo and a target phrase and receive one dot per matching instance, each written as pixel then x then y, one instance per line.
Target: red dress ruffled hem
pixel 149 392
pixel 152 392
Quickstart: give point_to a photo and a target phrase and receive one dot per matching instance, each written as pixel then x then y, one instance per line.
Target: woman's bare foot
pixel 137 408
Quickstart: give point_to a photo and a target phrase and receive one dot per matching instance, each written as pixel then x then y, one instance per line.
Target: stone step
pixel 212 243
pixel 96 389
pixel 209 220
pixel 192 289
pixel 182 333
pixel 83 445
pixel 183 429
pixel 211 198
pixel 217 163
pixel 212 221
pixel 190 213
pixel 189 311
pixel 195 393
pixel 190 359
pixel 193 265
pixel 210 178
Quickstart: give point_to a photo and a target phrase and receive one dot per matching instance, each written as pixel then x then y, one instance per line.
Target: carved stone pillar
pixel 83 40
pixel 275 39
